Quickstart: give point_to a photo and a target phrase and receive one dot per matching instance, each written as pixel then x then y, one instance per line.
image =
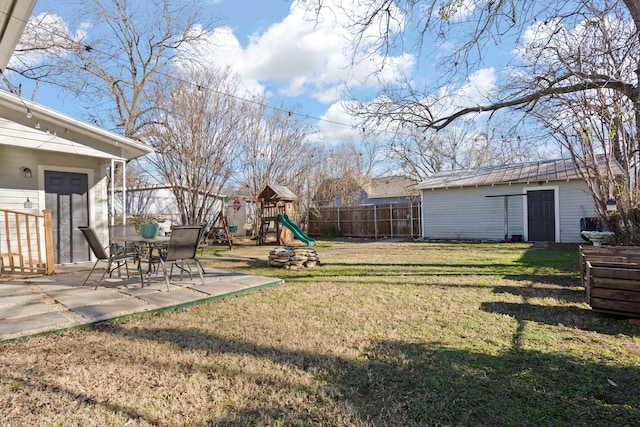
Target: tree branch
pixel 591 81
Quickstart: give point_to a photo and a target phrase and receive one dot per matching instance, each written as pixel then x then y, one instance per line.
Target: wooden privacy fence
pixel 26 242
pixel 369 221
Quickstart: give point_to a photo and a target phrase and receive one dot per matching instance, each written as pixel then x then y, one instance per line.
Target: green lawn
pixel 398 334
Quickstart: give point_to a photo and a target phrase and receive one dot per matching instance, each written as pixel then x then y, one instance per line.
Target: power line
pixel 90 49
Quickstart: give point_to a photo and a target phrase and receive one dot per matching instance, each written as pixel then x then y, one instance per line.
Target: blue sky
pixel 292 59
pixel 247 17
pixel 269 43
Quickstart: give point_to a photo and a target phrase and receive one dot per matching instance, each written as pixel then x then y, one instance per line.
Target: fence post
pixel 420 219
pixel 391 219
pixel 411 218
pixel 415 218
pixel 339 228
pixel 48 241
pixel 375 222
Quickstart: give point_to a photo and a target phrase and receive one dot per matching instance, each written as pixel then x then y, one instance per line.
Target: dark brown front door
pixel 541 214
pixel 66 194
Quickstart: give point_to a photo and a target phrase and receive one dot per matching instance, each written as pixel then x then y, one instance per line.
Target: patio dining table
pixel 152 243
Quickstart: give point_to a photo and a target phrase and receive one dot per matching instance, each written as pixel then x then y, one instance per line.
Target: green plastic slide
pixel 297 231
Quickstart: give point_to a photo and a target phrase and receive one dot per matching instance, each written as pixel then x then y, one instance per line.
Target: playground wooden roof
pixel 277 192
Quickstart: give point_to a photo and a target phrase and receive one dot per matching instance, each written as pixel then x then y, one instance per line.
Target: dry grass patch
pixel 397 334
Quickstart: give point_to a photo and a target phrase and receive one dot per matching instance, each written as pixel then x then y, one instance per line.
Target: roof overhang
pixel 14 15
pixel 46 129
pixel 26 124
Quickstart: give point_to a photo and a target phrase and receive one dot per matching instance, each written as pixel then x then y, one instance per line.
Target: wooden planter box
pixel 611 277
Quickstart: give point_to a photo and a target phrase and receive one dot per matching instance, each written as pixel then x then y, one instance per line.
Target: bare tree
pixel 420 153
pixel 597 129
pixel 567 52
pixel 273 149
pixel 120 51
pixel 341 176
pixel 196 138
pixel 598 126
pixel 469 28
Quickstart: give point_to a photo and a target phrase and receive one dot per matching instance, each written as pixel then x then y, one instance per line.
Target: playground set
pixel 276 209
pixel 220 232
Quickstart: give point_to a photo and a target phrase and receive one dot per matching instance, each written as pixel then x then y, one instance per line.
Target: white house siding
pixel 99 205
pixel 15 189
pixel 574 202
pixel 47 140
pixel 466 213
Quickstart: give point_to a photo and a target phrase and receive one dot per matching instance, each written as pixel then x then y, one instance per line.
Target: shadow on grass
pixel 400 383
pixel 573 317
pixel 563 258
pixel 572 294
pixel 244 262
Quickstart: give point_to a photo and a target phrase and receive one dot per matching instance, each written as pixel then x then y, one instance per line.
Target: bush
pixel 332 231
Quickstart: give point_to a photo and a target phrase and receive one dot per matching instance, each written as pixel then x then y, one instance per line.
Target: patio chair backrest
pixel 203 233
pixel 94 243
pixel 122 231
pixel 184 242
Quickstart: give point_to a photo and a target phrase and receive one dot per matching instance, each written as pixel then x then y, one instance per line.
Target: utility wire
pixel 290 112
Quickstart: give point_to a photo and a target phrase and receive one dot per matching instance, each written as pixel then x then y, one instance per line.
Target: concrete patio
pixel 38 304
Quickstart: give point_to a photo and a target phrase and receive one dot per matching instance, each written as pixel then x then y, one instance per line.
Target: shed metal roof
pixel 522 173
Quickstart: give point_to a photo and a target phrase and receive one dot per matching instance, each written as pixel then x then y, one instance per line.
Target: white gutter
pixel 63 123
pixel 14 15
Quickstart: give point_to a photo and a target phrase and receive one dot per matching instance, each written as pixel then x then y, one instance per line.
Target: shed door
pixel 541 214
pixel 66 194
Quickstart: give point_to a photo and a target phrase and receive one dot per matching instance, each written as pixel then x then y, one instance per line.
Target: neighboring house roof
pixel 522 173
pixel 30 125
pixel 354 189
pixel 14 15
pixel 348 189
pixel 391 186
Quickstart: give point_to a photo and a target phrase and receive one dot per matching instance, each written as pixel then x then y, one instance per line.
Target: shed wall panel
pixel 575 203
pixel 467 213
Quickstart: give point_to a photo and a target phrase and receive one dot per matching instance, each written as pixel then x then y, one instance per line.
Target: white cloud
pixel 45 29
pixel 476 90
pixel 329 95
pixel 304 54
pixel 479 87
pixel 337 125
pixel 221 49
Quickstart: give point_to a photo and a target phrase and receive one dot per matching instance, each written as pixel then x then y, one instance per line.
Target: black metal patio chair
pixel 102 254
pixel 183 247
